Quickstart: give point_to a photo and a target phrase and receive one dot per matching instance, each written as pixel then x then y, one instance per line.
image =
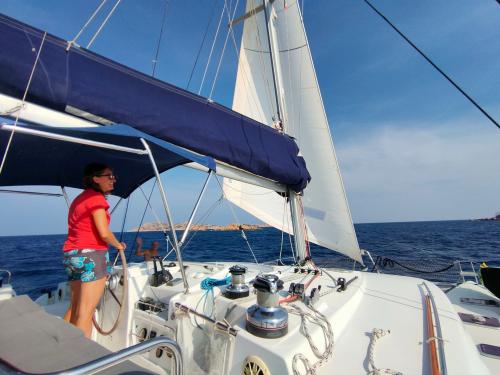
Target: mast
pixel 293 197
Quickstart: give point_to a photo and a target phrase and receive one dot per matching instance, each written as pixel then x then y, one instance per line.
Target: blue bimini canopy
pixel 38 160
pixel 79 82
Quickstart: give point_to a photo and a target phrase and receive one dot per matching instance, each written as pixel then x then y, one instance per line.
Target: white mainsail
pixel 326 211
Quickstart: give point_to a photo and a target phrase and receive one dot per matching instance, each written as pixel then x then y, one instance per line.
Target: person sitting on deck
pixel 148 254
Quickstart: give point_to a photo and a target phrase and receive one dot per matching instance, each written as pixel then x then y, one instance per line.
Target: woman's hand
pixel 122 246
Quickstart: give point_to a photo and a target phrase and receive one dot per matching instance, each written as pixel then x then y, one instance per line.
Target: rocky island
pixel 157 227
pixel 496 218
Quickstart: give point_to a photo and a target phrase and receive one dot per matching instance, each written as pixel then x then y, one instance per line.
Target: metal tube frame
pixel 30 193
pixel 65 194
pixel 8 273
pixel 66 138
pixel 195 209
pixel 169 216
pixel 221 325
pixel 298 230
pixel 125 354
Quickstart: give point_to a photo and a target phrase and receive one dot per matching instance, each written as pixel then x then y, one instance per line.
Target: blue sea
pixel 35 261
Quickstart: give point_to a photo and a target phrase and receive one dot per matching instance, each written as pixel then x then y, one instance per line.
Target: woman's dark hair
pixel 91 170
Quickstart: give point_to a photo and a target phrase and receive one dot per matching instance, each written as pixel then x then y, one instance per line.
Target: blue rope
pixel 209 283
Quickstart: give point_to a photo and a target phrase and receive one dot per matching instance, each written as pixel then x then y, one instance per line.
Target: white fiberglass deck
pixel 371 301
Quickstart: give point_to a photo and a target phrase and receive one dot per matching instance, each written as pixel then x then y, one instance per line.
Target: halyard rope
pixel 319 319
pixel 378 333
pixel 22 102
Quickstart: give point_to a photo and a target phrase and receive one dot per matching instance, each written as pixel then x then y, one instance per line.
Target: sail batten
pixel 326 211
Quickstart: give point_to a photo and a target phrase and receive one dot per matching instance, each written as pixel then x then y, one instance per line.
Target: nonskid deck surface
pixel 36 342
pixel 371 301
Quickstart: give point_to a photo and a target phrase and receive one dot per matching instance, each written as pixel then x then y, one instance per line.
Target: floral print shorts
pixel 86 264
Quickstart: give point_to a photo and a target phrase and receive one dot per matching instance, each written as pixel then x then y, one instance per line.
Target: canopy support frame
pixel 169 215
pixel 195 209
pixel 65 194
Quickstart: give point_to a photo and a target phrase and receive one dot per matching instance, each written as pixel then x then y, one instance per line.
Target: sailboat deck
pixel 371 301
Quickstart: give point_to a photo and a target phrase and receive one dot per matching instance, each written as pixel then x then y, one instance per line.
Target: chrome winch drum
pixel 266 318
pixel 238 288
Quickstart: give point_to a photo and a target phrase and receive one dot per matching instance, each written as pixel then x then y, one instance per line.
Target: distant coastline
pixel 157 227
pixel 495 218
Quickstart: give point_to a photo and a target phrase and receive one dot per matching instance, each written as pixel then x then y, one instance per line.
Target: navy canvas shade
pixel 66 80
pixel 34 160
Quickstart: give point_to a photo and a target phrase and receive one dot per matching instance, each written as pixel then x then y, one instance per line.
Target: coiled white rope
pixel 378 333
pixel 319 319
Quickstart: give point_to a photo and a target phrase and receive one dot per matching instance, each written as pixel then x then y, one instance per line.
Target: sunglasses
pixel 108 175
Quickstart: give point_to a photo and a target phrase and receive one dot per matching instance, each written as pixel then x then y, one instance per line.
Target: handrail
pixel 434 339
pixel 431 338
pixel 223 326
pixel 112 359
pixel 8 273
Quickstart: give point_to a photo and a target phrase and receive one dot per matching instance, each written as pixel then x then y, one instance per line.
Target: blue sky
pixel 409 145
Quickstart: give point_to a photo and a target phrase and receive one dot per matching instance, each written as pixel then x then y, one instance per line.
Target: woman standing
pixel 86 257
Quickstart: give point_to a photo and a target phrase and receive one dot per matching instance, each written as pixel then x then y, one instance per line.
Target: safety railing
pixel 113 359
pixel 8 273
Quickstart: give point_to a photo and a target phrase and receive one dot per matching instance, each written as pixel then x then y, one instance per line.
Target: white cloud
pixel 423 172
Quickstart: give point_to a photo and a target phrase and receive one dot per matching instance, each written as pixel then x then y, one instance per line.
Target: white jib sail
pixel 326 211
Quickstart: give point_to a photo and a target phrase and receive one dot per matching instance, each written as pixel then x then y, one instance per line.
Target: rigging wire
pixel 155 60
pixel 124 219
pixel 237 221
pixel 434 65
pixel 140 223
pixel 211 50
pixel 201 219
pixel 201 46
pixel 264 67
pixel 250 94
pixel 103 24
pixel 276 93
pixel 231 18
pixel 23 101
pixel 73 41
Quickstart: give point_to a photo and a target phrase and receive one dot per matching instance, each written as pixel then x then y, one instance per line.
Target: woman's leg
pixel 75 297
pixel 90 294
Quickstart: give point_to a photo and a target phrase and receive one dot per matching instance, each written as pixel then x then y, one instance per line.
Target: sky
pixel 410 146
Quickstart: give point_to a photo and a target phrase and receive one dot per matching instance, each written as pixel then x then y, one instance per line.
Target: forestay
pixel 79 82
pixel 326 210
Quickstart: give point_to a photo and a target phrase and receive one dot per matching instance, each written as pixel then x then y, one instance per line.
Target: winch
pixel 238 288
pixel 266 318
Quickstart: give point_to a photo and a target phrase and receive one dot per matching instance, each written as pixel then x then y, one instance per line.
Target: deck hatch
pixel 479 320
